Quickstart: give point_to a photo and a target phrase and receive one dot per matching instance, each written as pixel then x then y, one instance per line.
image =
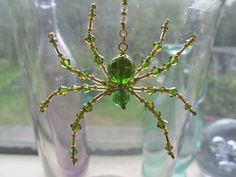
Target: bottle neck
pixel 47 16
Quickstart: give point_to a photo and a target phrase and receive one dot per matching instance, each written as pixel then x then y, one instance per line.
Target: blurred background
pixel 216 155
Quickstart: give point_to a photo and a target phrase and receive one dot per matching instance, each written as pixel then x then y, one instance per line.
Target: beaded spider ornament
pixel 121 78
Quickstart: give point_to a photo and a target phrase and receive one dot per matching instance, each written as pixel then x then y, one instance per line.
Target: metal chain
pixel 123 46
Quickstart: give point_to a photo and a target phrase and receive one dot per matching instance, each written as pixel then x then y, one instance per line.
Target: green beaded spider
pixel 121 77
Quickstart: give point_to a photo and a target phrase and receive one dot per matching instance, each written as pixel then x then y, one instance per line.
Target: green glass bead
pixel 121 70
pixel 73 151
pixel 90 39
pixel 157 114
pixel 149 105
pixel 92 16
pixel 99 59
pixel 80 115
pixel 85 88
pixel 63 90
pixel 169 147
pixel 157 46
pixel 144 64
pixel 166 66
pixel 74 161
pixel 83 76
pixel 88 107
pixel 151 90
pixel 156 71
pixel 76 126
pixel 121 98
pixel 65 63
pixel 173 91
pixel 74 88
pixel 161 124
pixel 173 61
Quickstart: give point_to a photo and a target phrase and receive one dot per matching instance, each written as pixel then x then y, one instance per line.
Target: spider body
pixel 121 71
pixel 121 75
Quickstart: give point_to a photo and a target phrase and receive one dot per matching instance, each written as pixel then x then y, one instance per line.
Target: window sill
pixel 30 165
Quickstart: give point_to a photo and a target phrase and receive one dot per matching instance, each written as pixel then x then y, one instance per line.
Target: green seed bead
pixel 63 90
pixel 149 105
pixel 83 76
pixel 156 71
pixel 99 59
pixel 80 115
pixel 85 88
pixel 88 107
pixel 169 147
pixel 65 63
pixel 161 124
pixel 151 90
pixel 157 114
pixel 73 151
pixel 173 61
pixel 76 126
pixel 144 64
pixel 90 39
pixel 157 46
pixel 173 91
pixel 74 88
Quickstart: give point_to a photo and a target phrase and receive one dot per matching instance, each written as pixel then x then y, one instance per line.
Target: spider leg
pixel 65 62
pixel 90 41
pixel 172 92
pixel 156 71
pixel 157 47
pixel 63 91
pixel 162 124
pixel 76 125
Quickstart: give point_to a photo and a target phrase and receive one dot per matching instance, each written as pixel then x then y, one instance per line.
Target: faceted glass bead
pixel 173 91
pixel 149 105
pixel 74 88
pixel 90 38
pixel 99 59
pixel 63 90
pixel 75 161
pixel 151 90
pixel 169 147
pixel 121 98
pixel 76 126
pixel 65 63
pixel 157 46
pixel 144 64
pixel 85 88
pixel 74 151
pixel 88 107
pixel 173 61
pixel 161 124
pixel 155 71
pixel 83 76
pixel 121 70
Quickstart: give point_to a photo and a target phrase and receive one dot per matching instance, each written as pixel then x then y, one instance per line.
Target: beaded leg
pixel 162 124
pixel 76 125
pixel 157 47
pixel 173 92
pixel 63 91
pixel 65 62
pixel 90 40
pixel 156 71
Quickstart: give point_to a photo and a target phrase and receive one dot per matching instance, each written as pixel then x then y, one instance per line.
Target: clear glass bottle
pixel 43 74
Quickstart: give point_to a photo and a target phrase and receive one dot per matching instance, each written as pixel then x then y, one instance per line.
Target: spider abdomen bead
pixel 121 70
